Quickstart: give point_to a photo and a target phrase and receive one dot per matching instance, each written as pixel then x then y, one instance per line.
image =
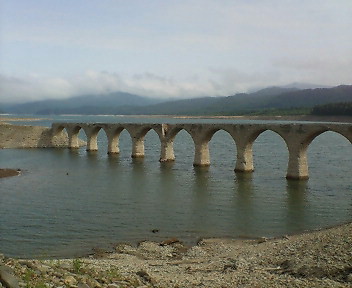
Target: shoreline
pixel 321 258
pixel 312 118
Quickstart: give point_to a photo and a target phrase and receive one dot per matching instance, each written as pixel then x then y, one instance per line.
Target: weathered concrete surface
pixel 297 138
pixel 16 136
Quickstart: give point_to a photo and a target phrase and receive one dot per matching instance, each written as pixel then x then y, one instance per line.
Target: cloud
pixel 185 48
pixel 218 82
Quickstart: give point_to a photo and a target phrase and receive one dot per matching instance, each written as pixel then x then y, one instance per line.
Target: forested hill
pixel 268 99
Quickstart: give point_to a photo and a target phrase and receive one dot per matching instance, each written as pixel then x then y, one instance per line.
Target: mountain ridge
pixel 122 103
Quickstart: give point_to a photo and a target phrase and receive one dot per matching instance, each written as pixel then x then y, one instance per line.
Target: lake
pixel 66 202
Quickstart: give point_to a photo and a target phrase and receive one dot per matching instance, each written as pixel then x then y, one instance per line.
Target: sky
pixel 170 48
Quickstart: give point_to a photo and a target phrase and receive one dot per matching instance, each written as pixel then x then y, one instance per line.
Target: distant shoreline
pixel 313 118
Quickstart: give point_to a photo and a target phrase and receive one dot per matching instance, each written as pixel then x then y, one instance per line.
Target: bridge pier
pixel 92 140
pixel 297 166
pixel 201 154
pixel 73 140
pixel 244 161
pixel 167 151
pixel 113 144
pixel 137 147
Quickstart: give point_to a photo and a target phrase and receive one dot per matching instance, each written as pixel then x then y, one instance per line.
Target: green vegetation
pixel 342 108
pixel 281 112
pixel 77 266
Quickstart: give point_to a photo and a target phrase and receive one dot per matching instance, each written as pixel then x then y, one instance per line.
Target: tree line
pixel 343 108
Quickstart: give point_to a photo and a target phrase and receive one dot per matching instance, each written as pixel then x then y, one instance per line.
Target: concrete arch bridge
pixel 296 136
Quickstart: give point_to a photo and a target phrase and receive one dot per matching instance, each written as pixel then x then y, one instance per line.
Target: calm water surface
pixel 66 202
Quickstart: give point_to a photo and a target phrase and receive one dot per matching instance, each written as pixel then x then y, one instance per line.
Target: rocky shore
pixel 316 259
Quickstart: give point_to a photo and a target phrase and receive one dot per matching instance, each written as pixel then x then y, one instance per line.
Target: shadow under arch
pixel 270 152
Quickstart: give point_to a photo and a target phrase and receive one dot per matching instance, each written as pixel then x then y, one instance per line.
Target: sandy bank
pixel 8 173
pixel 316 259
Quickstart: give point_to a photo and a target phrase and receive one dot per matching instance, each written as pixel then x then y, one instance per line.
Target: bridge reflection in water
pixel 296 136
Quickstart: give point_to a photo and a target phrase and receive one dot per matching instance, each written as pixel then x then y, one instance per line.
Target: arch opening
pixel 270 154
pixel 183 145
pixel 152 145
pixel 222 149
pixel 329 153
pixel 124 141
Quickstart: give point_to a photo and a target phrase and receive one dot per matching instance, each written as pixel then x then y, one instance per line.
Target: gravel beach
pixel 315 259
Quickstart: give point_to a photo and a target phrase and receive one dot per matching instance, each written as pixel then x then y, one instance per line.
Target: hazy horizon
pixel 170 49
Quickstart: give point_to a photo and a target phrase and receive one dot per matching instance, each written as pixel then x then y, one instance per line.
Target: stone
pixel 7 277
pixel 145 276
pixel 70 281
pixel 169 241
pixel 82 285
pixel 231 266
pixel 27 263
pixel 262 240
pixel 43 269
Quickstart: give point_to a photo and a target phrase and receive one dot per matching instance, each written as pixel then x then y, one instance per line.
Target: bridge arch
pixel 138 133
pixel 113 136
pixel 169 133
pixel 184 146
pixel 296 136
pixel 245 138
pixel 91 132
pixel 320 154
pixel 73 131
pixel 222 138
pixel 270 152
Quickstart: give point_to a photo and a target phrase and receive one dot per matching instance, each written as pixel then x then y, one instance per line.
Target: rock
pixel 83 285
pixel 27 263
pixel 8 278
pixel 262 240
pixel 287 265
pixel 349 278
pixel 231 266
pixel 169 241
pixel 93 283
pixel 70 281
pixel 43 269
pixel 145 276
